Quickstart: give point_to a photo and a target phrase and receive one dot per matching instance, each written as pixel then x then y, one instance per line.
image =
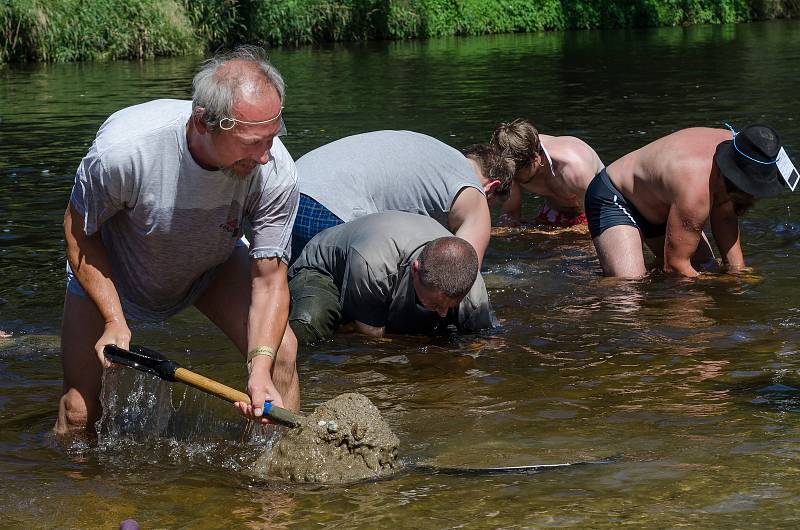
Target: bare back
pixel 670 169
pixel 672 182
pixel 574 165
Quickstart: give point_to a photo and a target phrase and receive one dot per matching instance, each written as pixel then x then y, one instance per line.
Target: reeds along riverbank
pixel 75 30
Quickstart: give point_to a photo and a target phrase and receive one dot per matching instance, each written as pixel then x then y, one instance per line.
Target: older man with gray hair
pixel 155 223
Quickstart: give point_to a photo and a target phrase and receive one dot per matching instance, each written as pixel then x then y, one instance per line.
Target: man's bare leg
pixel 79 407
pixel 619 249
pixel 226 303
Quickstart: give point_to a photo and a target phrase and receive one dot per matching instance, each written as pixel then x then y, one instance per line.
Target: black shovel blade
pixel 143 359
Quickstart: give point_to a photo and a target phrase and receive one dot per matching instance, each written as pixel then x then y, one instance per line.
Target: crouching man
pixel 390 272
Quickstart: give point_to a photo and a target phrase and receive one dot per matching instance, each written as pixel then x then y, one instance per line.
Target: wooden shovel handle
pixel 210 386
pixel 200 382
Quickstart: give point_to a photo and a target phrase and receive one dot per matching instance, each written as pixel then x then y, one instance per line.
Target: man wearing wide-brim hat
pixel 663 193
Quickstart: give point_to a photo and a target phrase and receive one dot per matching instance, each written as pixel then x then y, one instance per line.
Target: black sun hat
pixel 749 160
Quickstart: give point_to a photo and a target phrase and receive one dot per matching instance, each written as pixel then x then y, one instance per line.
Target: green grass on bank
pixel 72 30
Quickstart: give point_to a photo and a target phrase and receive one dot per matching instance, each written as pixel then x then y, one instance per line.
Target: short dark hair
pixel 493 166
pixel 516 140
pixel 450 265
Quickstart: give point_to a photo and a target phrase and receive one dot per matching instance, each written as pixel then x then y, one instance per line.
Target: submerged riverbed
pixel 693 387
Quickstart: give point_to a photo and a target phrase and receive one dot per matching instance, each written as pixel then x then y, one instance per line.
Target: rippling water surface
pixel 691 386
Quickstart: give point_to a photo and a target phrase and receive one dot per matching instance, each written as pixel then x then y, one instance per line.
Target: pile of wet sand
pixel 343 440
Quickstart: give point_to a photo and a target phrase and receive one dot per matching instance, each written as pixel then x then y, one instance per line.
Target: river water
pixel 692 388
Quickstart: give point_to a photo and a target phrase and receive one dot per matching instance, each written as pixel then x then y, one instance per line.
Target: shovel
pixel 150 361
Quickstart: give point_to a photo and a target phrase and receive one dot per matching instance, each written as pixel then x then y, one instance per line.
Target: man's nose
pixel 442 311
pixel 264 158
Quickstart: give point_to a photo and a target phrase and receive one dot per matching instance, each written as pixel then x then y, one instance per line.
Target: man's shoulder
pixel 694 142
pixel 579 168
pixel 384 237
pixel 475 312
pixel 149 123
pixel 478 293
pixel 281 154
pixel 383 241
pixel 685 157
pixel 285 169
pixel 573 148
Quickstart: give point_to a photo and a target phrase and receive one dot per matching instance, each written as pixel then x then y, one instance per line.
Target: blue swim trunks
pixel 607 207
pixel 312 218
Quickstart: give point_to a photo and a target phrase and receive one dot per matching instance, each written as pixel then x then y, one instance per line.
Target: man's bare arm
pixel 266 324
pixel 684 232
pixel 89 261
pixel 725 227
pixel 512 209
pixel 372 331
pixel 469 219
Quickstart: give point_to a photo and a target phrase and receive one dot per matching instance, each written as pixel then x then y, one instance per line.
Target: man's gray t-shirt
pixel 370 260
pixel 386 171
pixel 167 222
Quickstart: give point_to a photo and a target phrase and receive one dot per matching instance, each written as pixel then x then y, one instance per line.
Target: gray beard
pixel 230 173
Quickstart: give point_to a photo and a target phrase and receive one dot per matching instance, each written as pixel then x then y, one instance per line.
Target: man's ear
pixel 415 267
pixel 491 187
pixel 199 122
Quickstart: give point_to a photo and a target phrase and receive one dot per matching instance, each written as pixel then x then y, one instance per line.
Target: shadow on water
pixel 778 392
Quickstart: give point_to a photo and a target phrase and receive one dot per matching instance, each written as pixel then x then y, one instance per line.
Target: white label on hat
pixel 787 169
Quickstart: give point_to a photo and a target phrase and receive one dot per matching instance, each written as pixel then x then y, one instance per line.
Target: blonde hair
pixel 517 141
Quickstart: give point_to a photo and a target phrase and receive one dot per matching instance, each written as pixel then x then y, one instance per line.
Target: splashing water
pixel 145 418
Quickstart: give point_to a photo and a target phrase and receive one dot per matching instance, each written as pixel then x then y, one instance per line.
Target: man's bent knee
pixel 315 306
pixel 308 331
pixel 75 414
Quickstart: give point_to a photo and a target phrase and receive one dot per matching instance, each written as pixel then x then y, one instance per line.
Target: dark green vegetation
pixel 68 30
pixel 73 30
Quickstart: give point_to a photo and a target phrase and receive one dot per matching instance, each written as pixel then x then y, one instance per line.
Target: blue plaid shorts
pixel 312 218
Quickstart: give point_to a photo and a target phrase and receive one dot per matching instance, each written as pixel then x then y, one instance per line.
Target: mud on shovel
pixel 150 361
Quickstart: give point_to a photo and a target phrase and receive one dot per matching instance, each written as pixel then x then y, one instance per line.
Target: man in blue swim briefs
pixel 663 194
pixel 154 225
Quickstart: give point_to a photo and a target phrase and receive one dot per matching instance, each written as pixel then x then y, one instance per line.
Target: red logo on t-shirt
pixel 231 226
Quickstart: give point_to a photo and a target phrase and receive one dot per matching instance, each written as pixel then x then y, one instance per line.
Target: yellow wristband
pixel 261 350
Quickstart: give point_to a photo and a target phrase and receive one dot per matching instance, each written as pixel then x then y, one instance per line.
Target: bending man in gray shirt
pixel 405 171
pixel 392 272
pixel 154 224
